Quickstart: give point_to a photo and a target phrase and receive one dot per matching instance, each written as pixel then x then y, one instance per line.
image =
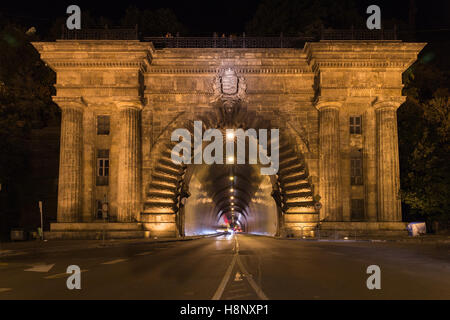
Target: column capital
pixel 325 103
pixel 130 103
pixel 388 102
pixel 69 102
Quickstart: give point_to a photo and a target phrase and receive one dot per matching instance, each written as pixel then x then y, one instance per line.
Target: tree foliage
pixel 307 17
pixel 26 87
pixel 424 136
pixel 153 22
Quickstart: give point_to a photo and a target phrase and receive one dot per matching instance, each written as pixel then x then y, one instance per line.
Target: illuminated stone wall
pixel 308 93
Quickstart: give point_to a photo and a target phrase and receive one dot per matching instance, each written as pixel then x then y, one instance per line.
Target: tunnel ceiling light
pixel 232 209
pixel 230 135
pixel 231 178
pixel 230 159
pixel 231 189
pixel 232 197
pixel 232 203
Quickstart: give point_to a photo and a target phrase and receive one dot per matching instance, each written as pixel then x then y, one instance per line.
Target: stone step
pixel 159 199
pixel 286 152
pixel 169 169
pixel 169 163
pixel 288 161
pixel 160 192
pixel 297 189
pixel 163 185
pixel 300 209
pixel 294 183
pixel 293 167
pixel 293 199
pixel 162 176
pixel 154 208
pixel 293 176
pixel 300 194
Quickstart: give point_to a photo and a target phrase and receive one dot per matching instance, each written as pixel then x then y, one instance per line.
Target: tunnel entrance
pixel 192 199
pixel 233 197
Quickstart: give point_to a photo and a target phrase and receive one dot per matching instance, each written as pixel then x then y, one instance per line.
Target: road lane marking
pixel 248 276
pixel 115 261
pixel 218 294
pixel 40 268
pixel 144 253
pixel 252 282
pixel 5 289
pixel 60 275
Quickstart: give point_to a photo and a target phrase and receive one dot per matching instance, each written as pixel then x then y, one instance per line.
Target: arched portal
pixel 228 196
pixel 199 198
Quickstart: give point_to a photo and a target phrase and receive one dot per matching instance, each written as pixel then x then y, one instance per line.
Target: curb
pixel 109 244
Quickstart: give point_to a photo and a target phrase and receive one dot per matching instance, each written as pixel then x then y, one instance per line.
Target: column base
pixel 299 225
pixel 94 231
pixel 351 229
pixel 161 225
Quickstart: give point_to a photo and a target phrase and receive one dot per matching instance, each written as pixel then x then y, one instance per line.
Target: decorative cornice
pixel 100 64
pixel 208 93
pixel 388 102
pixel 129 103
pixel 69 102
pixel 361 64
pixel 209 71
pixel 80 86
pixel 322 103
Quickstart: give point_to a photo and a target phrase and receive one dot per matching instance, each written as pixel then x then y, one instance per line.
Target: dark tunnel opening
pixel 233 197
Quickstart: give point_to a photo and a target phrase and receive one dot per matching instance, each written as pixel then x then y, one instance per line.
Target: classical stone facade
pixel 334 102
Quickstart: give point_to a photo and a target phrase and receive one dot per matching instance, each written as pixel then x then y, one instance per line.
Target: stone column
pixel 128 166
pixel 70 163
pixel 388 174
pixel 370 164
pixel 329 162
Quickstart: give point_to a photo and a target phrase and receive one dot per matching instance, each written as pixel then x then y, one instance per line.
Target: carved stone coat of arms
pixel 228 87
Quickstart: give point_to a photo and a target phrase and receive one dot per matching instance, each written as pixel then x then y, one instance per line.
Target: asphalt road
pixel 226 267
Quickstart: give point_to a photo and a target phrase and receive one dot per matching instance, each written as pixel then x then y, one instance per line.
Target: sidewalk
pixel 424 239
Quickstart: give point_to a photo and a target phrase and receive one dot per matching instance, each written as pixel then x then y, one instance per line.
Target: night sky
pixel 205 17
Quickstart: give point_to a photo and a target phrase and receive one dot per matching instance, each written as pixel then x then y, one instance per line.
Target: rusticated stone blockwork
pixel 334 102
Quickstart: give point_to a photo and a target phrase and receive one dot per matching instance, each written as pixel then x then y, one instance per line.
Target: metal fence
pixel 227 42
pixel 359 34
pixel 100 34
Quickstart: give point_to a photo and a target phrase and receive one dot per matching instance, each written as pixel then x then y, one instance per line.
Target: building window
pixel 355 125
pixel 102 167
pixel 103 125
pixel 356 169
pixel 357 209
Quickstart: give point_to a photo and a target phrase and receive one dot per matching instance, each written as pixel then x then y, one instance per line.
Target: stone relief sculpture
pixel 228 88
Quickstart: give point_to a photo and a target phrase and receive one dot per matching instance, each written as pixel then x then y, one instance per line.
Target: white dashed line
pixel 60 275
pixel 115 261
pixel 40 268
pixel 144 253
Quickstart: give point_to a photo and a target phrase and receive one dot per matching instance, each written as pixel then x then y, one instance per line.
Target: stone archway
pixel 310 93
pixel 290 196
